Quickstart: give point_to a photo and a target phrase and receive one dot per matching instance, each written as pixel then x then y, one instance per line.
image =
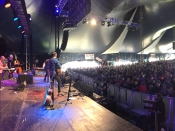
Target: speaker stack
pixel 64 40
pixel 173 45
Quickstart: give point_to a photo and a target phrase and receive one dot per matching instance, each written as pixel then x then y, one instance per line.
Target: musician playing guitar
pixel 55 73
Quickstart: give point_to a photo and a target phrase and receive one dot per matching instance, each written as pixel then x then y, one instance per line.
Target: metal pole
pixel 26 52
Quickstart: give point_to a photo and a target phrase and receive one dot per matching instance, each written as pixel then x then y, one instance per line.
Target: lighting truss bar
pixel 60 6
pixel 20 9
pixel 113 21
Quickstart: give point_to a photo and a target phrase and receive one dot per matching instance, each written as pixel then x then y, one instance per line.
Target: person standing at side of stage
pixel 55 71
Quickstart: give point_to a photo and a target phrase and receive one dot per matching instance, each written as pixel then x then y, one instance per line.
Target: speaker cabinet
pixel 64 40
pixel 173 45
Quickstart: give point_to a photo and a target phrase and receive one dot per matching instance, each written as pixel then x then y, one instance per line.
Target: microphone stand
pixel 68 99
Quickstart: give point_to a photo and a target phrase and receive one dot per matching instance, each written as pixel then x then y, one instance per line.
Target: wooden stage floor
pixel 24 111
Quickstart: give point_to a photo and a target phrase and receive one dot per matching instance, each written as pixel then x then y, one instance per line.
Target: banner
pixel 89 56
pixel 98 59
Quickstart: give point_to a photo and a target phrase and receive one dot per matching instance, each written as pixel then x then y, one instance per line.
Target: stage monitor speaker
pixel 173 45
pixel 64 40
pixel 21 86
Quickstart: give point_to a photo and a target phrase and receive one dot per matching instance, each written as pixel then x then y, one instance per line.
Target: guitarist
pixel 55 72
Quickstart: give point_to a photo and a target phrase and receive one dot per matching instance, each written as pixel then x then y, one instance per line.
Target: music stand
pixel 67 101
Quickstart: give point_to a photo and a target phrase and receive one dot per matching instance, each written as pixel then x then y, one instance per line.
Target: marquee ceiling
pixel 157 34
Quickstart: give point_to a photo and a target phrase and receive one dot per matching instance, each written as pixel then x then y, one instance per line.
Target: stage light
pixel 23 31
pixel 29 17
pixel 84 21
pixel 19 26
pixel 15 18
pixel 57 11
pixel 109 23
pixel 102 22
pixel 7 4
pixel 93 22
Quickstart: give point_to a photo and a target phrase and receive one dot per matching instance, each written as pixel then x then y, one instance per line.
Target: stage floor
pixel 24 111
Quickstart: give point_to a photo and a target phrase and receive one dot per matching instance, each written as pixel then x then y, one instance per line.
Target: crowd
pixel 152 78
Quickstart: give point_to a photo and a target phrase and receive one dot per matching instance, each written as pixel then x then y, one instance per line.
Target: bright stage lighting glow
pixel 79 64
pixel 93 22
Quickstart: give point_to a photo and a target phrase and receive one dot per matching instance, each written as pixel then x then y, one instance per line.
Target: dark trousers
pixel 47 74
pixel 57 78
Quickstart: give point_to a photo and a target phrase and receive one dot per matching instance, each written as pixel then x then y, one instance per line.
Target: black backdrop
pixel 2 47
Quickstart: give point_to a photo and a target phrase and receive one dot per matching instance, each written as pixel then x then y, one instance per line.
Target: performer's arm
pixel 59 72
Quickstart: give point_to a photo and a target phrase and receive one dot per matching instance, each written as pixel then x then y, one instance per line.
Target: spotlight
pixel 29 17
pixel 93 22
pixel 57 11
pixel 84 21
pixel 23 31
pixel 109 23
pixel 102 22
pixel 7 3
pixel 15 18
pixel 19 26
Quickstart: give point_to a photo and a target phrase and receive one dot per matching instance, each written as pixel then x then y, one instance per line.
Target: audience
pixel 155 77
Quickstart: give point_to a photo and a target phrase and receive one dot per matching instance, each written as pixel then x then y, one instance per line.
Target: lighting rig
pixel 59 8
pixel 77 11
pixel 111 22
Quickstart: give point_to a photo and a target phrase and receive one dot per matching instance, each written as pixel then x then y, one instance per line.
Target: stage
pixel 24 111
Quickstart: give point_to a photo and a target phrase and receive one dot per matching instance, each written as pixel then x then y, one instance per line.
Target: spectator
pixel 142 87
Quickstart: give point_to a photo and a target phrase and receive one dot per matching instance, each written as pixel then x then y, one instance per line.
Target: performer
pixel 10 61
pixel 46 68
pixel 17 63
pixel 55 71
pixel 10 65
pixel 2 67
